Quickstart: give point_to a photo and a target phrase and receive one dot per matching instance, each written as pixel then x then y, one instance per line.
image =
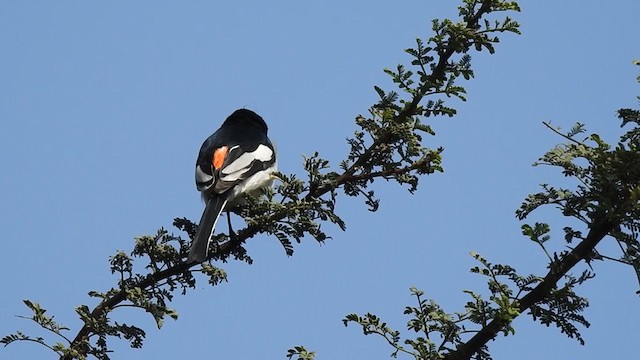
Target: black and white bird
pixel 237 159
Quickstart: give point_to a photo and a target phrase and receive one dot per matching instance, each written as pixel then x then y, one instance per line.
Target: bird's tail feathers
pixel 200 246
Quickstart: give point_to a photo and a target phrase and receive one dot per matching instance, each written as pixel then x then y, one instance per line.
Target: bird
pixel 237 159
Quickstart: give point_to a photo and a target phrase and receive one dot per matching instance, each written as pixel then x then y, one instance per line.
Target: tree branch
pixel 439 70
pixel 598 231
pixel 223 251
pixel 437 74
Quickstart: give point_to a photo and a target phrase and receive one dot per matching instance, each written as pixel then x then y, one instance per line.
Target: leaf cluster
pixel 300 353
pixel 607 188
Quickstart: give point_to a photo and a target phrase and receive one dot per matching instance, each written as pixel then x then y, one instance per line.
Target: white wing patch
pixel 259 180
pixel 261 153
pixel 231 177
pixel 201 176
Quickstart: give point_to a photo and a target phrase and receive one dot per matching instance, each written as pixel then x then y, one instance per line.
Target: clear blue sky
pixel 104 105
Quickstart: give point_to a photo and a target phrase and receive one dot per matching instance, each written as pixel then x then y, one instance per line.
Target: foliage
pixel 388 144
pixel 301 353
pixel 605 199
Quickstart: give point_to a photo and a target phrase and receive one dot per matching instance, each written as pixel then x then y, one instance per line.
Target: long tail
pixel 200 245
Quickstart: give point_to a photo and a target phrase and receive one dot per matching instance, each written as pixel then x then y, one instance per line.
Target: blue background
pixel 104 105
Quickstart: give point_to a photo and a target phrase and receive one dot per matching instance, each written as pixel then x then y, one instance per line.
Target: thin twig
pixel 561 134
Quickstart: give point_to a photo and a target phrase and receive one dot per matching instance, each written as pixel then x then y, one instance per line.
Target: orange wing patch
pixel 218 157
